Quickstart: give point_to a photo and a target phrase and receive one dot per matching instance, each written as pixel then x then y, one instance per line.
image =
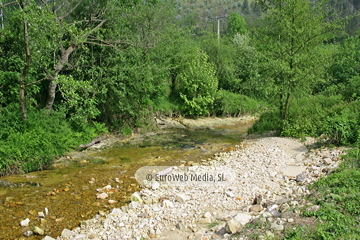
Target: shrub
pixel 31 145
pixel 228 103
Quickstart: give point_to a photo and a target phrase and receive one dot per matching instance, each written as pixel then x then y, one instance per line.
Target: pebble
pixel 48 238
pixel 28 233
pixel 102 196
pixel 277 227
pixel 256 208
pixel 155 185
pixel 41 215
pixel 25 223
pixel 38 231
pixel 260 182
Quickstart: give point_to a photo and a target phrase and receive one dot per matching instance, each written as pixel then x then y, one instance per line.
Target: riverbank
pixel 272 177
pixel 68 190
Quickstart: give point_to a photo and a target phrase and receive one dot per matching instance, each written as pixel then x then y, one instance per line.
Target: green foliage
pixel 314 116
pixel 339 204
pixel 197 85
pixel 232 104
pixel 236 24
pixel 291 33
pixel 79 102
pixel 268 121
pixel 31 146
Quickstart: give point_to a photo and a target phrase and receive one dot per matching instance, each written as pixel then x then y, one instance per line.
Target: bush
pixel 197 85
pixel 32 145
pixel 232 104
pixel 269 121
pixel 315 115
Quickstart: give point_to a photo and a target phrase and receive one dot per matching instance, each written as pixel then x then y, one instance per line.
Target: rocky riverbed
pixel 271 177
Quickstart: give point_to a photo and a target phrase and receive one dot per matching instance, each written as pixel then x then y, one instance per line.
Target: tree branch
pixel 28 84
pixel 70 11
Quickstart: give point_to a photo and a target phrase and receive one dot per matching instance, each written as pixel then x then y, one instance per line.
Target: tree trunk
pixel 287 104
pixel 64 59
pixel 281 106
pixel 25 69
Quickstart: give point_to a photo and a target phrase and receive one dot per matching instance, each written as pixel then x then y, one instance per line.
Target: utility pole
pixel 218 30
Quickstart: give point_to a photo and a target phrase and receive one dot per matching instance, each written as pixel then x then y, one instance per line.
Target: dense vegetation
pixel 70 70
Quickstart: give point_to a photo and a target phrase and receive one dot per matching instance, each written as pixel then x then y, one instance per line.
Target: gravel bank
pixel 271 175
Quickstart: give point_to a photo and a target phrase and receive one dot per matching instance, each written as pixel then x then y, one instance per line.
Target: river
pixel 69 193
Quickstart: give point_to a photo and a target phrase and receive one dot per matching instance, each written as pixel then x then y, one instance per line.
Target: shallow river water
pixel 69 193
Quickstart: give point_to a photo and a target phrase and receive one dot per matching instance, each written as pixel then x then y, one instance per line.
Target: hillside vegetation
pixel 72 70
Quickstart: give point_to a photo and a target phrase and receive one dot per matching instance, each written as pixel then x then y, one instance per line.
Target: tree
pixel 291 34
pixel 236 24
pixel 197 84
pixel 245 7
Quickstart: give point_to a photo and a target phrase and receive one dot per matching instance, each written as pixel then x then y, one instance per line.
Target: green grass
pixel 338 196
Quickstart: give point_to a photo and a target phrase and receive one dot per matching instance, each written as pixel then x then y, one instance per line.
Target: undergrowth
pixel 32 145
pixel 339 213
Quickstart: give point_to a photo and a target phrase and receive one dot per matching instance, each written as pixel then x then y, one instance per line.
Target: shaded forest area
pixel 70 70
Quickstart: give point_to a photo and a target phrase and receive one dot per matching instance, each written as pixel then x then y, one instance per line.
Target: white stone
pixel 182 198
pixel 66 233
pixel 155 185
pixel 135 197
pixel 207 215
pixel 102 196
pixel 168 204
pixel 48 238
pixel 277 227
pixel 107 188
pixel 229 194
pixel 41 215
pixel 25 223
pixel 237 222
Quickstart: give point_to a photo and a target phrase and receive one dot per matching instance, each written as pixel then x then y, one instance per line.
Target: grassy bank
pixel 338 196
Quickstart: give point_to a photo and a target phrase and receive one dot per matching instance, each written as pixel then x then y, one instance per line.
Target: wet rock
pixel 38 231
pixel 102 196
pixel 28 233
pixel 112 202
pixel 135 197
pixel 107 188
pixel 41 215
pixel 237 222
pixel 25 223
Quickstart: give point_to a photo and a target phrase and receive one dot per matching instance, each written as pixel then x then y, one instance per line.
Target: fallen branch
pixel 94 141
